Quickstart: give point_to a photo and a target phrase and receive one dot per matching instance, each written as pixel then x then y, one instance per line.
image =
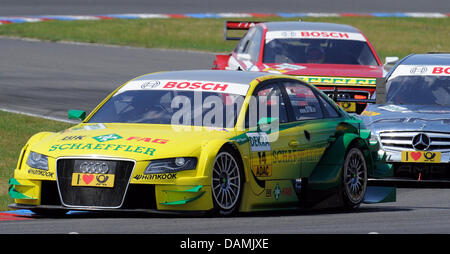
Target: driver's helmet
pixel 314 54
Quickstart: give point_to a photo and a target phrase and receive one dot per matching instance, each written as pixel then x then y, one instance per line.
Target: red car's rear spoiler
pixel 237 25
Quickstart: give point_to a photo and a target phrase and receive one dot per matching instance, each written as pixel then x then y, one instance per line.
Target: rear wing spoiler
pixel 237 25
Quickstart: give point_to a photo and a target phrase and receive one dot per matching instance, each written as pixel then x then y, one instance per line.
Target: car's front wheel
pixel 226 183
pixel 354 178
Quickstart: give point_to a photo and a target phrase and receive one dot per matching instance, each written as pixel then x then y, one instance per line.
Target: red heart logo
pixel 416 155
pixel 88 178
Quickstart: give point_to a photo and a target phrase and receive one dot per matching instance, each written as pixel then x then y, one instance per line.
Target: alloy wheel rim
pixel 226 183
pixel 355 176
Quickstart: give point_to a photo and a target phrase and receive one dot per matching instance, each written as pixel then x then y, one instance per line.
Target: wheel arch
pixel 324 182
pixel 212 148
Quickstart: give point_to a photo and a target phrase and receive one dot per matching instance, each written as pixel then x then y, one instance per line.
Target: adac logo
pixel 107 137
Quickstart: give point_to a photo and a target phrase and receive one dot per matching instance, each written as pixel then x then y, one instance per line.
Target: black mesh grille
pixel 49 193
pixel 93 196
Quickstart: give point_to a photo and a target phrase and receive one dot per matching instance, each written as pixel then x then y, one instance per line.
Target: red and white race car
pixel 329 56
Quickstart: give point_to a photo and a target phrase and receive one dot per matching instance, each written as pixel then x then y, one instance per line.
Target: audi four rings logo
pixel 421 142
pixel 94 167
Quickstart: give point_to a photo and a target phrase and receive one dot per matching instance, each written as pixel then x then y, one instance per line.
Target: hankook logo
pixel 421 142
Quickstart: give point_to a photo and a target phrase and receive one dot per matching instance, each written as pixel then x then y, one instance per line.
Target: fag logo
pixel 108 137
pixel 148 140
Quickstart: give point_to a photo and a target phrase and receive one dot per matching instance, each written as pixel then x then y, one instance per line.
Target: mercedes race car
pixel 330 56
pixel 205 140
pixel 412 126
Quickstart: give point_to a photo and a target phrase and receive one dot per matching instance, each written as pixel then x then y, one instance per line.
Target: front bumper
pixel 420 174
pixel 44 194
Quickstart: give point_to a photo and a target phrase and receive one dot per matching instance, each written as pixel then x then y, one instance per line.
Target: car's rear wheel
pixel 226 183
pixel 354 178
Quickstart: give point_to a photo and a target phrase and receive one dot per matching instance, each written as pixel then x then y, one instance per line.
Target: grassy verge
pixel 390 36
pixel 15 130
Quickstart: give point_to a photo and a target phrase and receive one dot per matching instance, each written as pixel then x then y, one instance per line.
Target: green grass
pixel 15 130
pixel 390 36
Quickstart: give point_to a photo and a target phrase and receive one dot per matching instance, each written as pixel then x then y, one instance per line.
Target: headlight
pixel 171 165
pixel 36 160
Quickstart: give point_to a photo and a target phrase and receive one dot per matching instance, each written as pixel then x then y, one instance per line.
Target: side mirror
pixel 391 60
pixel 77 114
pixel 244 57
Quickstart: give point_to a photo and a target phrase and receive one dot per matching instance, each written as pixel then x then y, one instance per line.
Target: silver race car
pixel 412 127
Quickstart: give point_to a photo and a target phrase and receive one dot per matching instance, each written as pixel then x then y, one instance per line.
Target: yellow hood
pixel 134 141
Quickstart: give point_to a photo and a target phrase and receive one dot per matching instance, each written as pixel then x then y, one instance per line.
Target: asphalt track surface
pixel 47 78
pixel 417 211
pixel 90 7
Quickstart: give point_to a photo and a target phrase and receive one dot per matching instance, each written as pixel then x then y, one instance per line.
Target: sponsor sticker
pixel 419 156
pixel 262 165
pixel 307 34
pixel 259 141
pixel 104 147
pixel 282 68
pixel 148 140
pixel 107 137
pixel 186 85
pixel 93 180
pixel 338 80
pixel 370 113
pixel 151 177
pixel 421 70
pixel 348 106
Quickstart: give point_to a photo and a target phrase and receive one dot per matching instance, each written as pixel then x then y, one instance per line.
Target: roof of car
pixel 241 77
pixel 427 59
pixel 300 25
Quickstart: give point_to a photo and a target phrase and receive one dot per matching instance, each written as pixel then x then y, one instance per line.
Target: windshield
pixel 419 90
pixel 171 107
pixel 321 51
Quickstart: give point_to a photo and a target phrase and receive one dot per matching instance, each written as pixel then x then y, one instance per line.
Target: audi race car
pixel 205 140
pixel 413 126
pixel 330 56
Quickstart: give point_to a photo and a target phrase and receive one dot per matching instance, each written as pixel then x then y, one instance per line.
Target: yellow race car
pixel 204 140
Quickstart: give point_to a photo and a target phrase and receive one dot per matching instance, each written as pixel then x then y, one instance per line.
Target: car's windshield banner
pixel 186 85
pixel 306 34
pixel 421 70
pixel 338 80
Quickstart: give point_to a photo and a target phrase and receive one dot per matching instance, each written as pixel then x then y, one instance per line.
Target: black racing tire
pixel 227 183
pixel 353 178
